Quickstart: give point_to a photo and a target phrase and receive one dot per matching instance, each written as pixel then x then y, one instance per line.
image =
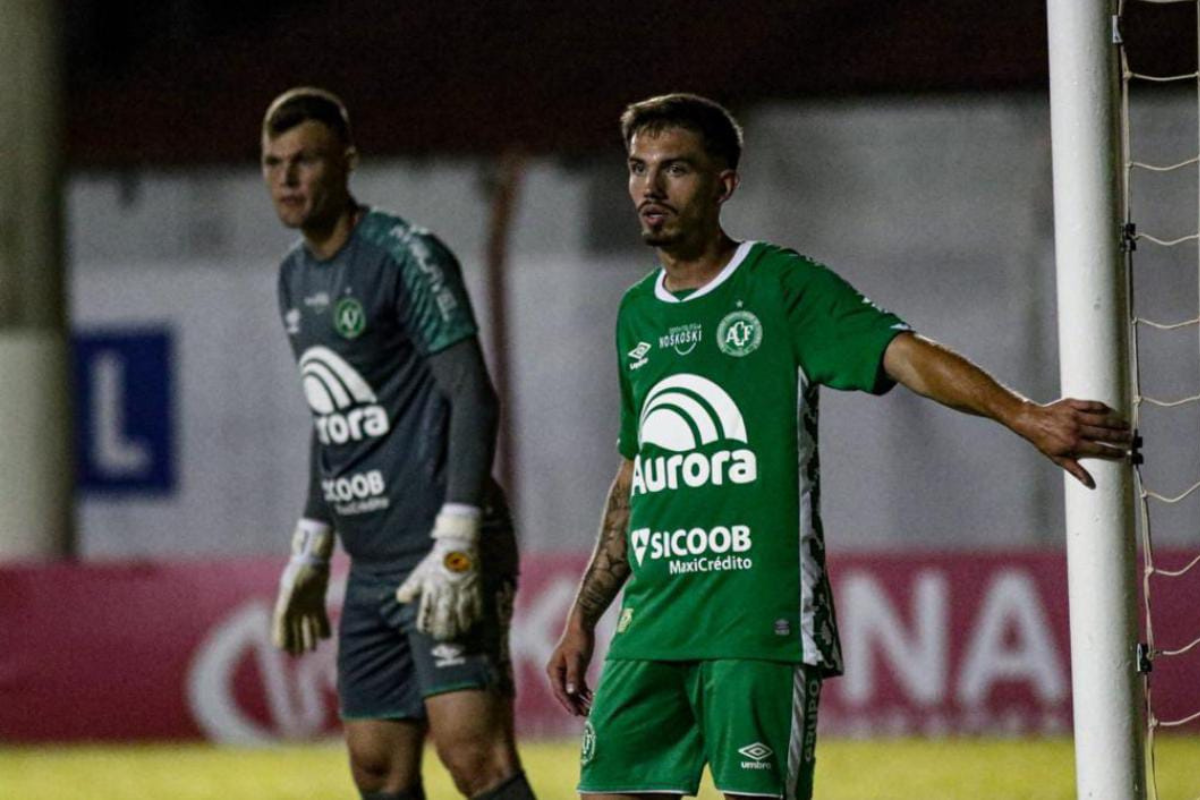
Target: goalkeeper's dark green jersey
pixel 361 325
pixel 719 416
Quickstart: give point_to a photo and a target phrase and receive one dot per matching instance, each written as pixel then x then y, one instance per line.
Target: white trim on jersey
pixel 810 572
pixel 739 255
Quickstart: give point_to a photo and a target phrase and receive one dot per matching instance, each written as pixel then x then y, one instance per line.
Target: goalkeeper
pixel 404 432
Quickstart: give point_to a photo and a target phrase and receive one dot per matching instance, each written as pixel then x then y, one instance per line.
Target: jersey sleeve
pixel 314 502
pixel 839 335
pixel 282 295
pixel 627 440
pixel 436 310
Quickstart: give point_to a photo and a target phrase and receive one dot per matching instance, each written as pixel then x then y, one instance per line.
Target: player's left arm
pixel 1064 431
pixel 447 581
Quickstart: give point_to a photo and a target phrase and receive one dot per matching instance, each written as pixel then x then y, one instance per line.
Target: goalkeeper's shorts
pixel 386 667
pixel 655 724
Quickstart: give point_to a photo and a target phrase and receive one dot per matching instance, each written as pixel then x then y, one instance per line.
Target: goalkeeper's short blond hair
pixel 304 104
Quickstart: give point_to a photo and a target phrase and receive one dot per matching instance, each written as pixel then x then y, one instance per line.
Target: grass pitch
pixel 846 770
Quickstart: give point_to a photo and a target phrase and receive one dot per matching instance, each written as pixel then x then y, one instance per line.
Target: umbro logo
pixel 447 655
pixel 638 354
pixel 758 753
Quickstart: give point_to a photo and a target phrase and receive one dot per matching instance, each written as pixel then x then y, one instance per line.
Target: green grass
pixel 846 770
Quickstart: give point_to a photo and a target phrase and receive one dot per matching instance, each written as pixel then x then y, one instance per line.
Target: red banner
pixel 933 645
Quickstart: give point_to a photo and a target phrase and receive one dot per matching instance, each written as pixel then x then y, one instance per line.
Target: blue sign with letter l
pixel 124 432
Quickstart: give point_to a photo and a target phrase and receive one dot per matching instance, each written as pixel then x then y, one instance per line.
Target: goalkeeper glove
pixel 300 619
pixel 447 580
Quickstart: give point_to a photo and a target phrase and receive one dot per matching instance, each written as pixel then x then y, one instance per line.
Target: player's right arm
pixel 447 584
pixel 602 581
pixel 300 621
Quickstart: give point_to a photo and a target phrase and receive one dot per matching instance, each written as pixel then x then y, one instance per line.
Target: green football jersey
pixel 719 416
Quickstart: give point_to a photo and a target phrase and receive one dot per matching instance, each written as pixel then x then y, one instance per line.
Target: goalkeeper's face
pixel 307 171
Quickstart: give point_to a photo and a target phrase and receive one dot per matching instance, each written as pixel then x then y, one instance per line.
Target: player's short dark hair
pixel 719 131
pixel 305 103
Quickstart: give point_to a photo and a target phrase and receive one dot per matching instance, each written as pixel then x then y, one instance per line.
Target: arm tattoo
pixel 609 566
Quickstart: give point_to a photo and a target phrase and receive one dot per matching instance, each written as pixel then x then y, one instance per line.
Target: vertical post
pixel 35 423
pixel 1093 320
pixel 505 189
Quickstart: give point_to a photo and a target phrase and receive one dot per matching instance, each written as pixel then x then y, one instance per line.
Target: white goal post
pixel 1093 332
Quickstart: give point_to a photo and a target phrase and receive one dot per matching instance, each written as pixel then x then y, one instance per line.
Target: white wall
pixel 937 209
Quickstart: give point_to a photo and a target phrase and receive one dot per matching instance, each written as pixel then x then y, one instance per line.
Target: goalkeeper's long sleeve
pixel 314 503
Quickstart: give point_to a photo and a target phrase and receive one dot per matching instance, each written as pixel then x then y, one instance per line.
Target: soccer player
pixel 404 425
pixel 712 525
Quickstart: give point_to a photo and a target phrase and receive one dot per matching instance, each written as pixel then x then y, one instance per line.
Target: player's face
pixel 677 187
pixel 307 171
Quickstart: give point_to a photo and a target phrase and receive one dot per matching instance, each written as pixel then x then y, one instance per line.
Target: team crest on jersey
pixel 739 334
pixel 349 319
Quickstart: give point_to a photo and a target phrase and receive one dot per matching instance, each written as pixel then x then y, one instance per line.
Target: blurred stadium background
pixel 906 145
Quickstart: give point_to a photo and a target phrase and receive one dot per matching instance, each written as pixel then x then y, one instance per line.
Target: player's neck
pixel 324 241
pixel 692 268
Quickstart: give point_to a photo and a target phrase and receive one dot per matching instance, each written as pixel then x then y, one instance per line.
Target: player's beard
pixel 661 236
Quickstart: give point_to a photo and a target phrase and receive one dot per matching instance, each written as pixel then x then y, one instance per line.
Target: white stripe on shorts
pixel 796 738
pixel 806 696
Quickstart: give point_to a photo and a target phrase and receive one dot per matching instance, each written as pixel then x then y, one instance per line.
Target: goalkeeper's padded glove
pixel 300 620
pixel 447 580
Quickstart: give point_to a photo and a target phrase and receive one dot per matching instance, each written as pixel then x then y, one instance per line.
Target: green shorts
pixel 654 725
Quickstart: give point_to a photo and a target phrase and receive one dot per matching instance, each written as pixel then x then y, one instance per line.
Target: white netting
pixel 1152 499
